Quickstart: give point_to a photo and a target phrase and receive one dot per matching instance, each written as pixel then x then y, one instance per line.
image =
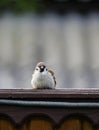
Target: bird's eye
pixel 36 68
pixel 46 69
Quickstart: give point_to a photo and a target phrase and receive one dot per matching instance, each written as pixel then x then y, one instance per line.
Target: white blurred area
pixel 69 45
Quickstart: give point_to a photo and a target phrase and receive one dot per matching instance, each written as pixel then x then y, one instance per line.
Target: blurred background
pixel 62 33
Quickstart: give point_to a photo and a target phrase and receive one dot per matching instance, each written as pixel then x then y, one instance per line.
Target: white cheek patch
pixel 37 68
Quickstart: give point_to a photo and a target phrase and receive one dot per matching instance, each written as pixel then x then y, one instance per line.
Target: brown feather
pixel 52 73
pixel 40 64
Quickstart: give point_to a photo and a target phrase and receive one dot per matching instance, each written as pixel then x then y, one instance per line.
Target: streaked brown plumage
pixel 52 73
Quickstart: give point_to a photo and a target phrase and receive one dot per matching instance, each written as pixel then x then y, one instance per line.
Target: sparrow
pixel 42 77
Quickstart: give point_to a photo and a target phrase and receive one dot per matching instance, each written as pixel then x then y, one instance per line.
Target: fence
pixel 68 109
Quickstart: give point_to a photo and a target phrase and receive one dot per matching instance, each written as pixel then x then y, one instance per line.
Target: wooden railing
pixel 68 109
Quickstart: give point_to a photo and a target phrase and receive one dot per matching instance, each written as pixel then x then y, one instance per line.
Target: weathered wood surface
pixel 24 117
pixel 50 94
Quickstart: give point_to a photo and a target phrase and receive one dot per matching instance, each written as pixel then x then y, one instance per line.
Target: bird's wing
pixel 52 73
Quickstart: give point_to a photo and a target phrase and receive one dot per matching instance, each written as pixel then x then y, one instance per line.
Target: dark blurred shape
pixel 42 6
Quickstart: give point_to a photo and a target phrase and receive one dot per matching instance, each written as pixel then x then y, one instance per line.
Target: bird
pixel 42 77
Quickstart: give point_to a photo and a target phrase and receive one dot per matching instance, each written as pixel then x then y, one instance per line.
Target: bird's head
pixel 41 67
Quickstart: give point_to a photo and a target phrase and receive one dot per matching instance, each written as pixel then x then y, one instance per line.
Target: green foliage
pixel 19 6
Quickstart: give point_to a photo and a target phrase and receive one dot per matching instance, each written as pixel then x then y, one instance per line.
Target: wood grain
pixel 6 125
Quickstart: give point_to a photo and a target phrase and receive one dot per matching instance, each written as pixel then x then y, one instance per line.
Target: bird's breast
pixel 43 81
